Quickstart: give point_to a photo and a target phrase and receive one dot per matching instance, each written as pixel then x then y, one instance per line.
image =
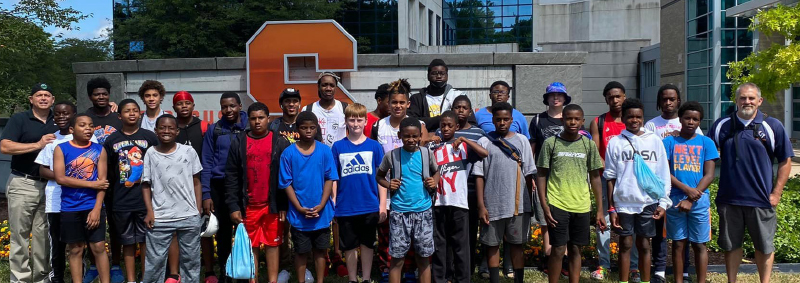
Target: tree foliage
pixel 777 67
pixel 202 28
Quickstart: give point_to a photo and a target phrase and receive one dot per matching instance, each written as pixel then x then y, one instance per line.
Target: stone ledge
pixel 540 58
pixel 177 64
pixel 105 67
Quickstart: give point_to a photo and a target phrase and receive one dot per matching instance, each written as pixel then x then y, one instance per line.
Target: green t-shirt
pixel 569 163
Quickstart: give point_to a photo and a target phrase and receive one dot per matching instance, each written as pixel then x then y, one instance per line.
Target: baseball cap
pixel 39 87
pixel 287 93
pixel 556 87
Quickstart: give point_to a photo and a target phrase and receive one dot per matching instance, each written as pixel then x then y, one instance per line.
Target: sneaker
pixel 172 280
pixel 484 274
pixel 509 273
pixel 410 277
pixel 564 273
pixel 658 279
pixel 687 279
pixel 309 277
pixel 116 275
pixel 599 274
pixel 90 275
pixel 384 277
pixel 211 279
pixel 635 277
pixel 283 276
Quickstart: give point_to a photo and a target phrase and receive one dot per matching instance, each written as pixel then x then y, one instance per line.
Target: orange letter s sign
pixel 270 48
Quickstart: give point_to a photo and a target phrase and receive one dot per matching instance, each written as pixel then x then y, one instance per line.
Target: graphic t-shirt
pixel 171 178
pixel 664 128
pixel 569 163
pixel 331 122
pixel 357 167
pixel 435 104
pixel 500 172
pixel 259 160
pixel 610 129
pixel 543 127
pixel 307 175
pixel 687 158
pixel 126 164
pixel 371 120
pixel 52 191
pixel 104 126
pixel 454 168
pixel 387 135
pixel 412 195
pixel 80 162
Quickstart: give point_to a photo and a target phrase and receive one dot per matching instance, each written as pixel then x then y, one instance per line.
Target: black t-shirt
pixel 547 127
pixel 104 126
pixel 290 133
pixel 24 127
pixel 125 167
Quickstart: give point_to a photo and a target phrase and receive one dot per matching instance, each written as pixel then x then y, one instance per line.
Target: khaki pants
pixel 26 218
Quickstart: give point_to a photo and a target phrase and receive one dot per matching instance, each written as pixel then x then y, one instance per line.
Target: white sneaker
pixel 284 276
pixel 309 277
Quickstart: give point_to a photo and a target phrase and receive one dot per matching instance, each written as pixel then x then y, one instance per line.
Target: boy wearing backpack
pixel 173 198
pixel 564 161
pixel 252 190
pixel 214 158
pixel 414 176
pixel 692 160
pixel 328 110
pixel 504 196
pixel 638 177
pixel 359 208
pixel 455 157
pixel 307 173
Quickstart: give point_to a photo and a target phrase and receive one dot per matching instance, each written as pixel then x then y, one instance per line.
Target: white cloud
pixel 102 31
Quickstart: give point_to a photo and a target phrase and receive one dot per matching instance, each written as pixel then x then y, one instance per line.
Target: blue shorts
pixel 694 225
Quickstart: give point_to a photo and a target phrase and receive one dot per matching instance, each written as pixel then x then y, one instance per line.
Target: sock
pixel 92 267
pixel 174 276
pixel 661 273
pixel 685 274
pixel 132 282
pixel 113 267
pixel 494 274
pixel 519 275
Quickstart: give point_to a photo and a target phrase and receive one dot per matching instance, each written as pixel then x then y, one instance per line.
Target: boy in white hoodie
pixel 631 209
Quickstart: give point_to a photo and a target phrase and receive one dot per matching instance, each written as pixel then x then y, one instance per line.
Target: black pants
pixel 452 225
pixel 58 249
pixel 659 247
pixel 474 223
pixel 225 231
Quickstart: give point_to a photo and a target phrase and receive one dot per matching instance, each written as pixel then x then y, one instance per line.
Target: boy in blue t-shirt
pixel 414 177
pixel 80 168
pixel 360 202
pixel 307 173
pixel 691 159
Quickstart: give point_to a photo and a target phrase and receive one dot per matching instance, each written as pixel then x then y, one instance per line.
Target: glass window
pixel 697 93
pixel 744 37
pixel 727 55
pixel 525 10
pixel 728 38
pixel 796 125
pixel 698 25
pixel 697 60
pixel 699 42
pixel 726 92
pixel 510 11
pixel 697 77
pixel 697 8
pixel 493 21
pixel 743 52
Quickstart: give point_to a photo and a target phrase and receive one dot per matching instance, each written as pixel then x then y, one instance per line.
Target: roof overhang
pixel 750 8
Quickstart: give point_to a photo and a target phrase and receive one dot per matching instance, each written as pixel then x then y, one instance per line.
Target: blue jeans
pixel 604 238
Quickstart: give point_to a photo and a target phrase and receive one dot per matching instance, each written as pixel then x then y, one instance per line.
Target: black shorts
pixel 572 228
pixel 73 227
pixel 305 241
pixel 642 224
pixel 358 230
pixel 130 227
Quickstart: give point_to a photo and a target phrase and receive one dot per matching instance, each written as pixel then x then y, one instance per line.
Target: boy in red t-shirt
pixel 252 194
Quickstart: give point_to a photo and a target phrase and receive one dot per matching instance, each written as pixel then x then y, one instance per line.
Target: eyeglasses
pixel 437 73
pixel 499 92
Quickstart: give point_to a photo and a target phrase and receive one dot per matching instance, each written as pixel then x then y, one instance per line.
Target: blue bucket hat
pixel 556 87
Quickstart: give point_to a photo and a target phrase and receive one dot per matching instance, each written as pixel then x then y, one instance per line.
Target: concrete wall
pixel 568 20
pixel 207 78
pixel 417 24
pixel 607 60
pixel 673 43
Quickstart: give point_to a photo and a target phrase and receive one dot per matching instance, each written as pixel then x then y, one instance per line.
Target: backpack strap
pixel 374 134
pixel 601 121
pixel 203 126
pixel 426 156
pixel 344 105
pixel 308 107
pixel 274 125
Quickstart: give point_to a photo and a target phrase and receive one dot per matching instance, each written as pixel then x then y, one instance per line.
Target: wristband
pixel 612 210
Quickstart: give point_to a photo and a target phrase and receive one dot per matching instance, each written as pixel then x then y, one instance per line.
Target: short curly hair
pixel 150 84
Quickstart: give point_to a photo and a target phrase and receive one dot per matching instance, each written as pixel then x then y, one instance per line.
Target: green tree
pixel 777 67
pixel 202 28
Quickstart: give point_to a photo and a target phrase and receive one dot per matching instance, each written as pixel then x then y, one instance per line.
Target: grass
pixel 530 276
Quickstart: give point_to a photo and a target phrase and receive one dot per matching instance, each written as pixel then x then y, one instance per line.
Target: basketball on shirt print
pixel 83 167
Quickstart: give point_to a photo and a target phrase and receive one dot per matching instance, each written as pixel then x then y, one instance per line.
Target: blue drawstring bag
pixel 645 178
pixel 240 263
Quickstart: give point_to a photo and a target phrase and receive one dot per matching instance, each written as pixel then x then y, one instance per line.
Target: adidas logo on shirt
pixel 356 163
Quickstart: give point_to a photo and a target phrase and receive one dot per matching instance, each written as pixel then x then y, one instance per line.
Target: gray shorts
pixel 761 224
pixel 411 227
pixel 641 224
pixel 514 230
pixel 537 213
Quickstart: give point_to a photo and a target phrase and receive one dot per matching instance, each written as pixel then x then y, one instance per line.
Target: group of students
pixel 422 176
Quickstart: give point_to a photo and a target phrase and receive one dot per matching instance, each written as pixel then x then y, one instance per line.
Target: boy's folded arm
pixel 46 172
pixel 478 149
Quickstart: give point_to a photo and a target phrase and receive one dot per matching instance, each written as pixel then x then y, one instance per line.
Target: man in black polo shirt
pixel 23 137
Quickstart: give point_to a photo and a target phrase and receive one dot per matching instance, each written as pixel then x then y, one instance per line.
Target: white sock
pixel 685 274
pixel 661 273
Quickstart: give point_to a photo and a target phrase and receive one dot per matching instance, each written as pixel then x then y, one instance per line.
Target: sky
pixel 99 12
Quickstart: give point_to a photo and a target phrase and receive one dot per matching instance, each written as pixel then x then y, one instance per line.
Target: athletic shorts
pixel 761 224
pixel 305 241
pixel 73 227
pixel 572 228
pixel 642 224
pixel 515 230
pixel 263 227
pixel 130 226
pixel 358 230
pixel 694 225
pixel 407 228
